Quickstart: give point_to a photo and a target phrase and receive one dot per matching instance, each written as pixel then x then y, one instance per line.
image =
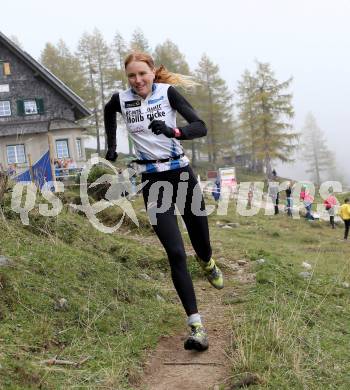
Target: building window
pixel 62 150
pixel 5 108
pixel 79 148
pixel 30 107
pixel 5 69
pixel 16 154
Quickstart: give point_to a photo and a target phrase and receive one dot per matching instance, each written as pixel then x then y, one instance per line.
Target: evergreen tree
pixel 64 65
pixel 84 52
pixel 98 66
pixel 120 51
pixel 315 151
pixel 139 42
pixel 275 139
pixel 333 173
pixel 51 59
pixel 266 110
pixel 169 55
pixel 214 104
pixel 105 76
pixel 247 127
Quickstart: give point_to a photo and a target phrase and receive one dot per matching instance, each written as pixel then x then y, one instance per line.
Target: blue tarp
pixel 41 172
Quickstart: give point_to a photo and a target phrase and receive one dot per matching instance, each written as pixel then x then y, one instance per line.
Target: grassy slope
pixel 113 313
pixel 292 332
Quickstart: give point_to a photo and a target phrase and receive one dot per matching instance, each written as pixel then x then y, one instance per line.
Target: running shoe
pixel 213 273
pixel 198 338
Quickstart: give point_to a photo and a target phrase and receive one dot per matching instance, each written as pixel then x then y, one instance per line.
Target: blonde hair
pixel 162 75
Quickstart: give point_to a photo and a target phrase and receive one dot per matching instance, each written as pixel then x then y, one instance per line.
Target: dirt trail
pixel 170 367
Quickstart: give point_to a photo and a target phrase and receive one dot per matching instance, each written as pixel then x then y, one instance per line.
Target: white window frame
pixel 30 107
pixel 16 154
pixel 60 151
pixel 79 147
pixel 5 111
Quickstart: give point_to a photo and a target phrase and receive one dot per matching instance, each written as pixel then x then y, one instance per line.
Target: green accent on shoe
pixel 198 338
pixel 213 273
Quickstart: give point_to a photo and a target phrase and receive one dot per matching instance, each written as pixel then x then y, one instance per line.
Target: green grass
pixel 113 314
pixel 293 332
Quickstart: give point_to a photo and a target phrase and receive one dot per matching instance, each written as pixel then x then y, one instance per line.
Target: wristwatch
pixel 177 132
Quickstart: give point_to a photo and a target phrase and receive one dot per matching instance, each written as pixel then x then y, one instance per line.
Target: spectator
pixel 57 165
pixel 274 195
pixel 216 189
pixel 307 199
pixel 250 195
pixel 344 213
pixel 289 199
pixel 330 204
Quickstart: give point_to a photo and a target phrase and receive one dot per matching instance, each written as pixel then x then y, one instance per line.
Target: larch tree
pixel 120 51
pixel 333 172
pixel 97 62
pixel 105 76
pixel 274 138
pixel 85 54
pixel 247 120
pixel 50 57
pixel 315 151
pixel 213 101
pixel 169 55
pixel 139 42
pixel 59 60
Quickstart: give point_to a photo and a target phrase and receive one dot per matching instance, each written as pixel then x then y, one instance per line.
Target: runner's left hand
pixel 111 155
pixel 159 127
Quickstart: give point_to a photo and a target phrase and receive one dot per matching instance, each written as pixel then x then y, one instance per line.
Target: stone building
pixel 38 113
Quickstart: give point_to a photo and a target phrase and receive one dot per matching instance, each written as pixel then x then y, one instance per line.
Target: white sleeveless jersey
pixel 138 113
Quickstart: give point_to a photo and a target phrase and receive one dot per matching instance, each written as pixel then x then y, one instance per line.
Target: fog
pixel 308 40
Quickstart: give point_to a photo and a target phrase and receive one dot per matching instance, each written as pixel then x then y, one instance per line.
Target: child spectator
pixel 308 199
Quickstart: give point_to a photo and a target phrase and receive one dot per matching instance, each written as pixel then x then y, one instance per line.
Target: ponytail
pixel 179 80
pixel 162 75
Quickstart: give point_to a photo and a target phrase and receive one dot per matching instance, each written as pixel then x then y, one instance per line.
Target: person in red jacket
pixel 330 204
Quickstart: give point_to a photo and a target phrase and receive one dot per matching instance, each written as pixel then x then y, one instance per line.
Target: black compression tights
pixel 167 229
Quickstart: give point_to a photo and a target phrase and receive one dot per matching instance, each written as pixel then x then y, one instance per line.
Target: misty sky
pixel 308 40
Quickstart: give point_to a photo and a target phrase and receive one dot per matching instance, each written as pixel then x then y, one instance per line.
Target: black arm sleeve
pixel 110 119
pixel 196 127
